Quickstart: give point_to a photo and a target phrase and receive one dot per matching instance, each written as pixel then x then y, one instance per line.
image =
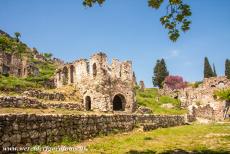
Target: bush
pixel 222 94
pixel 175 82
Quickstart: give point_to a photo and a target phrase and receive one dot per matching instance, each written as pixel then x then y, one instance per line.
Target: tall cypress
pixel 207 69
pixel 214 70
pixel 160 72
pixel 227 68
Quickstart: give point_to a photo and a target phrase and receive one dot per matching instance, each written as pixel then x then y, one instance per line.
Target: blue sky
pixel 124 29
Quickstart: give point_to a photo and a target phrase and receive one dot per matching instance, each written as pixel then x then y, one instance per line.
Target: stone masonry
pixel 28 130
pixel 103 87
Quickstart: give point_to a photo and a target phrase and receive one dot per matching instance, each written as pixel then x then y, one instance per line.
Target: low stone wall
pixel 21 102
pixel 43 95
pixel 28 130
pixel 24 102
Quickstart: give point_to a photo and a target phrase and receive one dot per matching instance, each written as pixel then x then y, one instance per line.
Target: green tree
pixel 17 35
pixel 214 70
pixel 227 68
pixel 207 69
pixel 160 73
pixel 48 55
pixel 176 19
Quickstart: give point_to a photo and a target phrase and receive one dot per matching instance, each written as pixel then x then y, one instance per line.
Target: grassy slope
pixel 212 138
pixel 150 98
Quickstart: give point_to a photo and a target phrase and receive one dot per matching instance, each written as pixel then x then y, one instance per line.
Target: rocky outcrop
pixel 28 130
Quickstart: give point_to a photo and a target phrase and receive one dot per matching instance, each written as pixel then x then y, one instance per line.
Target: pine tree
pixel 227 68
pixel 160 72
pixel 214 70
pixel 207 69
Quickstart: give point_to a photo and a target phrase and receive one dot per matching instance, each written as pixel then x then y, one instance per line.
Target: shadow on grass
pixel 179 151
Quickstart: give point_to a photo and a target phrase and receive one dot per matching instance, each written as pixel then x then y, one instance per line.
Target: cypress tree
pixel 214 71
pixel 160 72
pixel 207 69
pixel 227 68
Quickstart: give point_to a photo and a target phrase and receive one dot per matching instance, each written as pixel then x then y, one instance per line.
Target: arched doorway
pixel 87 103
pixel 119 102
pixel 72 71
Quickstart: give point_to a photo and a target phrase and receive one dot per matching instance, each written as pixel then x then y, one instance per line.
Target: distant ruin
pixel 201 100
pixel 103 87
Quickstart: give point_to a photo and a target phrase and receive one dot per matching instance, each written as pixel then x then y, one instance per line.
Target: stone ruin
pixel 13 64
pixel 103 87
pixel 200 100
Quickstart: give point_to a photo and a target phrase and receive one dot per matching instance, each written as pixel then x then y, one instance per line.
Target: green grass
pixel 12 83
pixel 212 138
pixel 150 98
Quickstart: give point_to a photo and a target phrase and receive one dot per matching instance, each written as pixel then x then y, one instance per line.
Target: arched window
pixel 72 71
pixel 94 70
pixel 65 76
pixel 119 102
pixel 87 103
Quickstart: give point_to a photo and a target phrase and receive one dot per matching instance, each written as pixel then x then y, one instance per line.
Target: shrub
pixel 222 94
pixel 175 82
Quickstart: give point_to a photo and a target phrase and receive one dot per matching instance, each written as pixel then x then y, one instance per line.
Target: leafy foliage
pixel 48 55
pixel 175 21
pixel 17 35
pixel 208 72
pixel 9 45
pixel 223 94
pixel 175 82
pixel 227 68
pixel 160 72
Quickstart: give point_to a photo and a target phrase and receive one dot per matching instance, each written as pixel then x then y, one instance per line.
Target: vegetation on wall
pixel 223 94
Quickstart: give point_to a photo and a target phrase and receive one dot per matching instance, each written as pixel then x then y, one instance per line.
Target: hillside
pixel 22 67
pixel 158 104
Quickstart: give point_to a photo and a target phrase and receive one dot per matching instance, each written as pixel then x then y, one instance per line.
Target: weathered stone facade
pixel 44 95
pixel 103 87
pixel 13 64
pixel 27 130
pixel 200 100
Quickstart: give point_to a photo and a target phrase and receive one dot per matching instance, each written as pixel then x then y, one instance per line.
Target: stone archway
pixel 87 103
pixel 119 103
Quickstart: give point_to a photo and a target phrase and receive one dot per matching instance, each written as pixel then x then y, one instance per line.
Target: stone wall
pixel 44 95
pixel 24 102
pixel 28 130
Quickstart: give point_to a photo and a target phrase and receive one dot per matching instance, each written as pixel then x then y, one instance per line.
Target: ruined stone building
pixel 103 87
pixel 13 64
pixel 201 100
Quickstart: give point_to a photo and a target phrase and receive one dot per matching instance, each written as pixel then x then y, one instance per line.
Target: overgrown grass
pixel 212 138
pixel 150 98
pixel 46 71
pixel 14 83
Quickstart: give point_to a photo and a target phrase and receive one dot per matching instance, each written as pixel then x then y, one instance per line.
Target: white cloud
pixel 173 54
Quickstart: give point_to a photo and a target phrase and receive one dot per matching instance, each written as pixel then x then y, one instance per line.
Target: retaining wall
pixel 27 130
